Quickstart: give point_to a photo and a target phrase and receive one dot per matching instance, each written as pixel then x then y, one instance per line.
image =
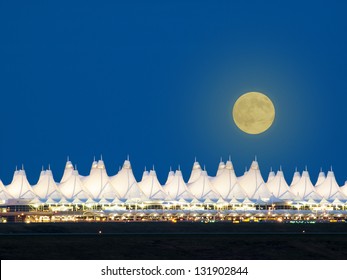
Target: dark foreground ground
pixel 158 240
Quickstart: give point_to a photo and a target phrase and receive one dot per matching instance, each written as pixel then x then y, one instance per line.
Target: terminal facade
pixel 224 197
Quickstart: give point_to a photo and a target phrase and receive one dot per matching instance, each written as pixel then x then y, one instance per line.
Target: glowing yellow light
pixel 253 112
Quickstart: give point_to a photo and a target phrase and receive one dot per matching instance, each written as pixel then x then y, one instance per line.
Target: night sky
pixel 158 79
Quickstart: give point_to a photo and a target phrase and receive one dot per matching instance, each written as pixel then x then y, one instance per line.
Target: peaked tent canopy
pixel 320 179
pixel 177 188
pixel 125 184
pixel 72 187
pixel 271 176
pixel 46 186
pixel 253 183
pixel 304 188
pixel 4 195
pixel 97 184
pixel 202 188
pixel 196 171
pixel 67 171
pixel 170 176
pixel 151 187
pixel 296 178
pixel 144 175
pixel 221 167
pixel 20 187
pixel 343 189
pixel 329 189
pixel 279 188
pixel 226 184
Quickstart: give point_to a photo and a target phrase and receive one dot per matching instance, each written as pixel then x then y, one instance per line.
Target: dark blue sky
pixel 158 79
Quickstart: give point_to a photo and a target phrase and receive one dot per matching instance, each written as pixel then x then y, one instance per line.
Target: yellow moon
pixel 253 112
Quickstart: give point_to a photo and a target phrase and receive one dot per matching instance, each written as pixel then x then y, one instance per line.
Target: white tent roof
pixel 117 201
pixel 329 189
pixel 244 174
pixel 67 171
pixel 76 201
pixel 177 188
pixel 73 187
pixel 337 202
pixel 20 187
pixel 170 176
pixel 46 186
pixel 235 201
pixel 36 201
pixel 144 175
pixel 253 183
pixel 97 184
pixel 274 199
pixel 304 188
pixel 202 188
pixel 259 201
pixel 90 201
pixel 196 171
pixel 279 187
pixel 195 201
pixel 323 201
pixel 320 179
pixel 271 176
pixel 311 201
pixel 151 187
pixel 50 200
pixel 125 184
pixel 222 201
pixel 104 201
pixel 247 201
pixel 221 167
pixel 343 189
pixel 4 195
pixel 226 184
pixel 296 178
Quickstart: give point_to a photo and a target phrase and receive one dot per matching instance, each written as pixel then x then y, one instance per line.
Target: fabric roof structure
pixel 226 184
pixel 343 189
pixel 337 202
pixel 46 187
pixel 4 195
pixel 177 188
pixel 202 188
pixel 304 188
pixel 125 184
pixel 151 187
pixel 97 184
pixel 296 178
pixel 72 187
pixel 20 187
pixel 170 176
pixel 329 189
pixel 123 188
pixel 279 188
pixel 320 179
pixel 324 202
pixel 271 176
pixel 234 201
pixel 274 199
pixel 144 174
pixel 221 167
pixel 253 184
pixel 67 171
pixel 196 172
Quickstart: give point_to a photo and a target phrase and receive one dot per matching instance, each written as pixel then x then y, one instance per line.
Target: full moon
pixel 253 112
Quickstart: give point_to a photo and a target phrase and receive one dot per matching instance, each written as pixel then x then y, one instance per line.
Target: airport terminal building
pixel 224 197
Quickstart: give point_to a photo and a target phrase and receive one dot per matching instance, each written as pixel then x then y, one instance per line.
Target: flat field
pixel 165 240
